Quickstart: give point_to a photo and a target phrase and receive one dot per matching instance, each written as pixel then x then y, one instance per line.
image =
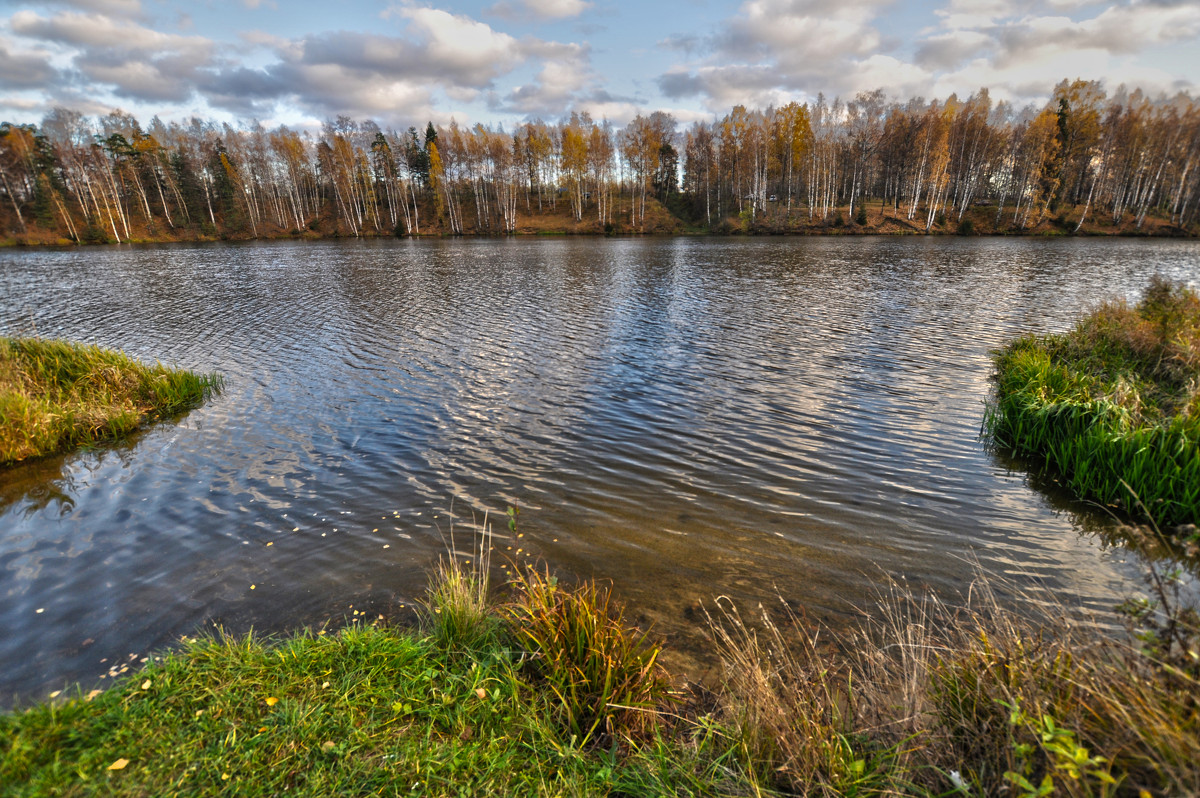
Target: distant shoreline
pixel 665 225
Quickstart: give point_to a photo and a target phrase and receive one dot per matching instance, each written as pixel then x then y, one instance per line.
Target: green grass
pixel 56 395
pixel 1113 405
pixel 366 712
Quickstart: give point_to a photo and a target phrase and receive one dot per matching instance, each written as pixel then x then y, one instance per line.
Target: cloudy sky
pixel 402 62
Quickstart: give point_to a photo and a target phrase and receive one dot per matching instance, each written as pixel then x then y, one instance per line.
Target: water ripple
pixel 684 417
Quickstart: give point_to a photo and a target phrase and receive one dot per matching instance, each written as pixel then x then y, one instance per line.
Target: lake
pixel 686 418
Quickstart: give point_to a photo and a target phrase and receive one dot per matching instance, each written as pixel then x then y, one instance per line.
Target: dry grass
pixel 925 698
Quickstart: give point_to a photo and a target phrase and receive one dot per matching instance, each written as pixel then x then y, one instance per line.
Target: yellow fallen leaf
pixel 199 712
pixel 146 685
pixel 324 685
pixel 272 701
pixel 56 694
pixel 479 691
pixel 93 694
pixel 224 777
pixel 328 745
pixel 119 764
pixel 252 587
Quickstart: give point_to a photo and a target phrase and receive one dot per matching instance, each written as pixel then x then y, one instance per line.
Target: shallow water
pixel 684 417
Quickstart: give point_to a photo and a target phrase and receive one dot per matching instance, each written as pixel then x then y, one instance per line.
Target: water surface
pixel 684 417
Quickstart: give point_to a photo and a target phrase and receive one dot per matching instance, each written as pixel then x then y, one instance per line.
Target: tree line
pixel 1083 157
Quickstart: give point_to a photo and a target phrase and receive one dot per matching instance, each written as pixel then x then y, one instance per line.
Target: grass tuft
pixel 57 395
pixel 458 610
pixel 1114 404
pixel 605 676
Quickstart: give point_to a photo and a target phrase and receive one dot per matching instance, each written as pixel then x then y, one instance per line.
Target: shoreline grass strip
pixel 1113 404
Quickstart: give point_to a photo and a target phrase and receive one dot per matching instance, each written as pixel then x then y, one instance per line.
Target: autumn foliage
pixel 1084 162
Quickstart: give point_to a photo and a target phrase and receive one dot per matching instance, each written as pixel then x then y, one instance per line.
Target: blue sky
pixel 402 62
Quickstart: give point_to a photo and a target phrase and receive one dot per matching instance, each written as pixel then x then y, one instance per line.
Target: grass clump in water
pixel 604 675
pixel 55 395
pixel 1114 404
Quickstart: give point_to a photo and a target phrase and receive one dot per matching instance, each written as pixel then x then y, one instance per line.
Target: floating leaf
pixel 93 694
pixel 272 701
pixel 119 764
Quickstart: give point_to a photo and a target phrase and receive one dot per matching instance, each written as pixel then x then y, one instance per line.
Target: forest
pixel 1085 162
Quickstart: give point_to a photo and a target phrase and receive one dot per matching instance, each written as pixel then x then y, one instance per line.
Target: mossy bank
pixel 57 395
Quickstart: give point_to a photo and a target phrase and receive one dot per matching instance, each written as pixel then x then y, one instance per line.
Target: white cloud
pixel 462 43
pixel 98 30
pixel 773 50
pixel 24 69
pixel 21 103
pixel 551 93
pixel 121 8
pixel 1018 48
pixel 538 10
pixel 390 75
pixel 556 9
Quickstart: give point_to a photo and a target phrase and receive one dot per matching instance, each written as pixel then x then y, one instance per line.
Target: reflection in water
pixel 684 417
pixel 1177 546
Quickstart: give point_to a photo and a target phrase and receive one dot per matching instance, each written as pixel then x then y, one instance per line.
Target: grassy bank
pixel 548 693
pixel 1113 405
pixel 55 395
